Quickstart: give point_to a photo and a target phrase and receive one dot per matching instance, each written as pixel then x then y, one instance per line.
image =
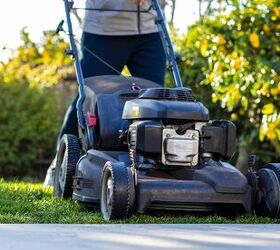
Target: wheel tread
pixel 72 154
pixel 123 191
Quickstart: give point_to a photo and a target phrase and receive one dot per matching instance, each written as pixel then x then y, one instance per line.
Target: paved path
pixel 122 237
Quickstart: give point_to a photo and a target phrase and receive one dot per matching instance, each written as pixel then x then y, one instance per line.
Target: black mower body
pixel 204 187
pixel 105 97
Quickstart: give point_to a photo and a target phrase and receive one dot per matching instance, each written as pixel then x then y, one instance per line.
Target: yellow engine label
pixel 135 111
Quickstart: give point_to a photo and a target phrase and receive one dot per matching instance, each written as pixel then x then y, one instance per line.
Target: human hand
pixel 139 2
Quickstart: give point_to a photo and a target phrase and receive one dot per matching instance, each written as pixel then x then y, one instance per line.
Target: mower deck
pixel 212 187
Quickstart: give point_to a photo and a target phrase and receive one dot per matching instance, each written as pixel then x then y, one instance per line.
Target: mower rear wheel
pixel 275 167
pixel 66 160
pixel 269 191
pixel 117 192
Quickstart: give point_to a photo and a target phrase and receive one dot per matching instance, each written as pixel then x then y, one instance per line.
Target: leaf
pixel 268 109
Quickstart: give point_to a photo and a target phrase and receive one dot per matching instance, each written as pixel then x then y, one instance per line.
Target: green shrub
pixel 31 108
pixel 233 65
pixel 29 122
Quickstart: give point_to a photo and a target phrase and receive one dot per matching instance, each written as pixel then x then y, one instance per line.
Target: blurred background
pixel 231 60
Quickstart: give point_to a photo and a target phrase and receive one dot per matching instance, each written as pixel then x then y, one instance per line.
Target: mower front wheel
pixel 66 160
pixel 117 192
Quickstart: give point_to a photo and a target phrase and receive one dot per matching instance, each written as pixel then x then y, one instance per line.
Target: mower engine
pixel 169 128
pixel 181 150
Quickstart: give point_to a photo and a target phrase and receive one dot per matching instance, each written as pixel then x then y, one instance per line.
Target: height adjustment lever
pixel 69 52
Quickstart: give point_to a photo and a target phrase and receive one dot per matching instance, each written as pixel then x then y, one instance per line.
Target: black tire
pixel 275 167
pixel 269 191
pixel 67 158
pixel 117 192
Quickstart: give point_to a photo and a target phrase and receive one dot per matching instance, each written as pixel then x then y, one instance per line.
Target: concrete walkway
pixel 95 237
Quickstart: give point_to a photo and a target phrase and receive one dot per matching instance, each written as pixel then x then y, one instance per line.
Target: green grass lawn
pixel 32 203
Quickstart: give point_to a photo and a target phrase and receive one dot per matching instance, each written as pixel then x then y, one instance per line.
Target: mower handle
pixel 171 57
pixel 78 68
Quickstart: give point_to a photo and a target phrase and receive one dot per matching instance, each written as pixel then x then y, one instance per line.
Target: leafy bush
pixel 31 110
pixel 234 59
pixel 29 122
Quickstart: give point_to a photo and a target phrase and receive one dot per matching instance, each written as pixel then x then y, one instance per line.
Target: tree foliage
pixel 41 65
pixel 235 55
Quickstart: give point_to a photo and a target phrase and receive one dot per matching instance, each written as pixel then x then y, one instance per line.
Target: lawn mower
pixel 144 147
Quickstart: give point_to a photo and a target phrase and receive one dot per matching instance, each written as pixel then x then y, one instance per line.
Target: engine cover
pixel 165 104
pixel 180 150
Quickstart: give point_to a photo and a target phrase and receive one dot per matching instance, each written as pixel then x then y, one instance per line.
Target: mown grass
pixel 32 203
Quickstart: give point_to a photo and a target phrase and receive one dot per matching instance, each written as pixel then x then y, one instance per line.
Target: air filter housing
pixel 182 95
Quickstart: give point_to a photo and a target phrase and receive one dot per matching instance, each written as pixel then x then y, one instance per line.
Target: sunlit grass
pixel 32 203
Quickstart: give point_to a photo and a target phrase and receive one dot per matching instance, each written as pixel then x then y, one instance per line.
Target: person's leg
pixel 70 124
pixel 148 59
pixel 113 50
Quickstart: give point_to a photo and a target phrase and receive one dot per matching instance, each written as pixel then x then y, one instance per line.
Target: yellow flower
pixel 265 91
pixel 46 56
pixel 62 46
pixel 215 98
pixel 221 40
pixel 266 28
pixel 218 67
pixel 276 11
pixel 234 117
pixel 270 133
pixel 274 91
pixel 236 63
pixel 254 40
pixel 204 48
pixel 236 95
pixel 268 109
pixel 211 78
